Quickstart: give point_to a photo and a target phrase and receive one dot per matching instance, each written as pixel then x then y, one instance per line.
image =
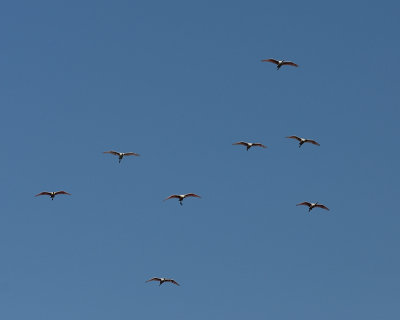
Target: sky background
pixel 179 82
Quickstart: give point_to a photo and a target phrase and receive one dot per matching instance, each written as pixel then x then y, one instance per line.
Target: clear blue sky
pixel 179 82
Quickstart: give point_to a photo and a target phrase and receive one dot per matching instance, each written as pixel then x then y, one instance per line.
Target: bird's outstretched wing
pixel 131 154
pixel 259 145
pixel 192 195
pixel 62 192
pixel 44 193
pixel 322 206
pixel 305 203
pixel 173 281
pixel 241 143
pixel 115 153
pixel 172 196
pixel 270 60
pixel 154 279
pixel 289 63
pixel 312 141
pixel 294 137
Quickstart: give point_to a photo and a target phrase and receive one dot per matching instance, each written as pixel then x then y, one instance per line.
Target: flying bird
pixel 248 145
pixel 122 154
pixel 182 196
pixel 311 205
pixel 162 280
pixel 280 63
pixel 52 194
pixel 302 140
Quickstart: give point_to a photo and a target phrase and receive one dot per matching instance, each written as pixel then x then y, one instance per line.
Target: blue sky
pixel 179 82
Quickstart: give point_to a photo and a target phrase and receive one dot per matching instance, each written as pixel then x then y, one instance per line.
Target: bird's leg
pixel 119 160
pixel 247 148
pixel 180 202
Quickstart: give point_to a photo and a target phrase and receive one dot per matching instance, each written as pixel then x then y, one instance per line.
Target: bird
pixel 182 196
pixel 280 63
pixel 248 145
pixel 52 194
pixel 122 154
pixel 162 280
pixel 302 140
pixel 311 205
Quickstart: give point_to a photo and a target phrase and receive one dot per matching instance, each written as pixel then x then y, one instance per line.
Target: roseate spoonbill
pixel 182 196
pixel 52 194
pixel 162 280
pixel 302 140
pixel 248 145
pixel 280 63
pixel 311 205
pixel 122 154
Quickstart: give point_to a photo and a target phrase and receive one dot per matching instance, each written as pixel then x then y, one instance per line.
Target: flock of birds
pixel 181 197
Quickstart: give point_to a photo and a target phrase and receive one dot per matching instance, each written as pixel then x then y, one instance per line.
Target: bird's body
pixel 122 154
pixel 182 196
pixel 162 280
pixel 280 63
pixel 52 194
pixel 312 205
pixel 303 140
pixel 248 145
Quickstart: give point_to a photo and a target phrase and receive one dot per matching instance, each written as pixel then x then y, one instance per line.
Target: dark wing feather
pixel 131 154
pixel 115 153
pixel 172 196
pixel 241 143
pixel 289 63
pixel 271 60
pixel 44 193
pixel 259 145
pixel 305 203
pixel 62 192
pixel 154 279
pixel 173 281
pixel 192 195
pixel 294 137
pixel 312 141
pixel 322 206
